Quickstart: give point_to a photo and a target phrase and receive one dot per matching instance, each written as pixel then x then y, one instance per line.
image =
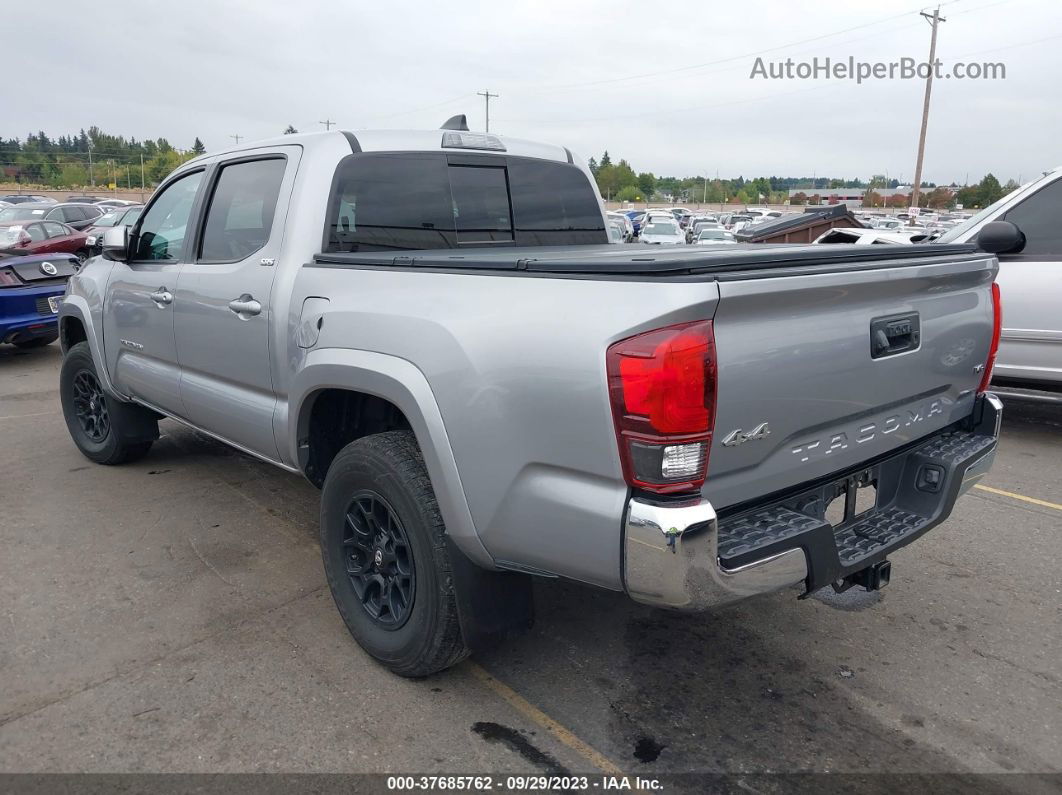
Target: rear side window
pixel 391 202
pixel 421 201
pixel 35 232
pixel 240 216
pixel 55 230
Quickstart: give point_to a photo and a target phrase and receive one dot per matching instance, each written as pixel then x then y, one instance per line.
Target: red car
pixel 42 237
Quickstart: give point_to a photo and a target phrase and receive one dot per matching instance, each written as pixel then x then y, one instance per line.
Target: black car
pixel 23 198
pixel 77 216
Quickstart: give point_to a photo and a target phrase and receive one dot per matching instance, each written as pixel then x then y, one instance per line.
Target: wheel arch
pixel 381 380
pixel 75 325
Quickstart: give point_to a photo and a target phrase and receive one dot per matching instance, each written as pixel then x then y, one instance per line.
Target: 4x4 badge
pixel 738 436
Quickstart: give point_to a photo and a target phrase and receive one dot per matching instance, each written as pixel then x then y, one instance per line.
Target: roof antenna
pixel 458 122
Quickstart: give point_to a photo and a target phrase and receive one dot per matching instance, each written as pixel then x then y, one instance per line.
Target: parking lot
pixel 172 615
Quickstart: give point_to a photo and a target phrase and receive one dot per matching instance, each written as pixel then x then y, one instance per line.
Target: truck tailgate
pixel 821 370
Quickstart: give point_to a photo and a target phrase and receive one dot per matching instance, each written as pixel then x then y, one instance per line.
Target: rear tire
pixel 37 342
pixel 93 418
pixel 385 555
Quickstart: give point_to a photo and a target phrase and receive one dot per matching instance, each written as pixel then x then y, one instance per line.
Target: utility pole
pixel 934 20
pixel 141 175
pixel 92 179
pixel 486 98
pixel 327 124
pixel 705 199
pixel 237 138
pixel 114 178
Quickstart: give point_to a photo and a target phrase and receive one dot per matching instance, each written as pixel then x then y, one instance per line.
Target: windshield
pixel 110 219
pixel 9 235
pixel 131 215
pixel 657 228
pixel 21 213
pixel 714 234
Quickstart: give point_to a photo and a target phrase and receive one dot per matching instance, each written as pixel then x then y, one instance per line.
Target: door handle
pixel 245 306
pixel 162 297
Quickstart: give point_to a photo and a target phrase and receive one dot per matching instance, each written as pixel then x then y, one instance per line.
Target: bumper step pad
pixel 906 508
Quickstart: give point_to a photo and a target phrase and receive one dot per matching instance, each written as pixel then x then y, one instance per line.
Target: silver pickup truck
pixel 432 327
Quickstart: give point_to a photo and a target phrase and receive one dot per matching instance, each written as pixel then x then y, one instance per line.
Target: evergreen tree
pixel 197 147
pixel 290 130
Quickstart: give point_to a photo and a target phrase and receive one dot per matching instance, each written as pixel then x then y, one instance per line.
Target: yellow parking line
pixel 534 714
pixel 1021 497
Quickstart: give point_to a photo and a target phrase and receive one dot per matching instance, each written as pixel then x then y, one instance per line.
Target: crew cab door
pixel 139 304
pixel 1030 285
pixel 224 299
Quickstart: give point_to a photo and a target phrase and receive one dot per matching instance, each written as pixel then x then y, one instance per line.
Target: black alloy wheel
pixel 379 561
pixel 90 408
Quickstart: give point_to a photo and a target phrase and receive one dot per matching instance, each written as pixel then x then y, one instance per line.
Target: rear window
pixel 424 201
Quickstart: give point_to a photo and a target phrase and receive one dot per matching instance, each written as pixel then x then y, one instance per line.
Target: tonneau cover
pixel 641 259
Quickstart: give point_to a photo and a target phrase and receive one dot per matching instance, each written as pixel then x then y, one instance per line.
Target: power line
pixel 486 98
pixel 694 67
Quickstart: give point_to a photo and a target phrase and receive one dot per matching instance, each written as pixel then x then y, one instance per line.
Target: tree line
pixel 618 181
pixel 90 157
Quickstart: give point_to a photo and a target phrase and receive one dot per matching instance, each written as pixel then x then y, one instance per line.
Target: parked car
pixel 616 232
pixel 24 198
pixel 637 217
pixel 625 225
pixel 31 290
pixel 867 237
pixel 697 223
pixel 43 237
pixel 714 237
pixel 106 203
pixel 77 216
pixel 1024 230
pixel 660 231
pixel 119 216
pixel 461 452
pixel 85 199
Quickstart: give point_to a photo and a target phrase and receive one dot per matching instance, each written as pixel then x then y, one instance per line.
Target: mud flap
pixel 132 422
pixel 491 605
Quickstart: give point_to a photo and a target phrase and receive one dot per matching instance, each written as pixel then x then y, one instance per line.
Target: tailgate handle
pixel 894 334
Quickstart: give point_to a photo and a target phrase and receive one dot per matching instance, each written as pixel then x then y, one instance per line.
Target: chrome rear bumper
pixel 673 555
pixel 666 566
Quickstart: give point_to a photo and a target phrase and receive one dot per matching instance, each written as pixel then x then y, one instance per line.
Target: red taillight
pixel 997 329
pixel 662 389
pixel 8 278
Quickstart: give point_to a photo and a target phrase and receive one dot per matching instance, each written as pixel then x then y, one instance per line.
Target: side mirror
pixel 116 243
pixel 1000 237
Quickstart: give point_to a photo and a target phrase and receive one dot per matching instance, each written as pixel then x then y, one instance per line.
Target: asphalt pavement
pixel 172 615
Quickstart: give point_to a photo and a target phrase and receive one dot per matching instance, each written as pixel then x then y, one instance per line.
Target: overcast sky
pixel 664 85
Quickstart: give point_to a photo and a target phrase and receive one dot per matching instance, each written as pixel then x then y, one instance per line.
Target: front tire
pixel 95 420
pixel 385 555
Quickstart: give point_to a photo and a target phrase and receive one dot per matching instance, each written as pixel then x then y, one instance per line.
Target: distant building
pixel 854 197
